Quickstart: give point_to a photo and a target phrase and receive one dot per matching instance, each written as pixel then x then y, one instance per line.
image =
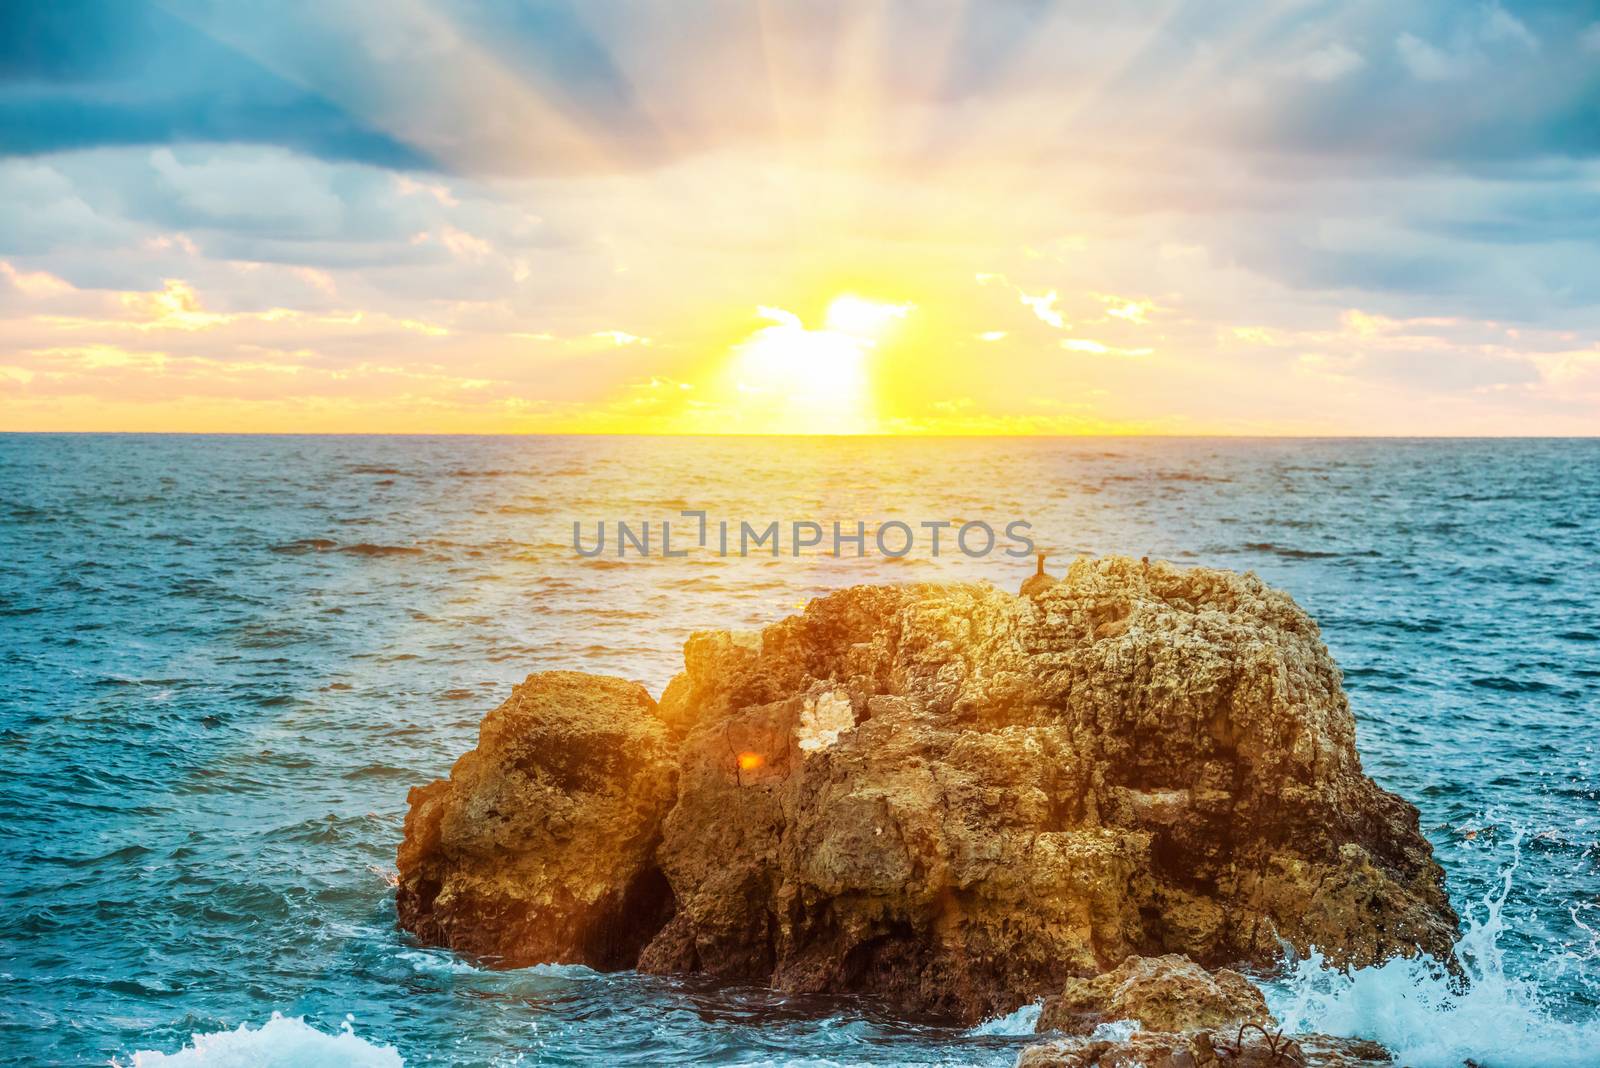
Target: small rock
pixel 1167 993
pixel 1251 1048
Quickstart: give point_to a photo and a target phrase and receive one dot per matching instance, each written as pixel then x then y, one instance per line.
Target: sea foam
pixel 1019 1022
pixel 281 1042
pixel 1430 1020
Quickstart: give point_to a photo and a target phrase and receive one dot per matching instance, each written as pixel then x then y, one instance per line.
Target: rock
pixel 1169 993
pixel 1248 1048
pixel 1139 759
pixel 947 796
pixel 1168 1012
pixel 541 844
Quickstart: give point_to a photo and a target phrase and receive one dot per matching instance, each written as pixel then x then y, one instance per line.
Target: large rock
pixel 540 846
pixel 955 798
pixel 958 799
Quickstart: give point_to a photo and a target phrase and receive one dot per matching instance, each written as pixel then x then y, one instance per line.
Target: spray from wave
pixel 1429 1019
pixel 281 1042
pixel 1020 1022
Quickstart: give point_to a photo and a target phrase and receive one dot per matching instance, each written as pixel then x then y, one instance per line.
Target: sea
pixel 225 659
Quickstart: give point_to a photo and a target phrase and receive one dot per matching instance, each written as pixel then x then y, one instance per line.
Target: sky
pixel 989 217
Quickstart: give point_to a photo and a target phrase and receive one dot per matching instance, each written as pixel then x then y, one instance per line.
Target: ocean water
pixel 223 660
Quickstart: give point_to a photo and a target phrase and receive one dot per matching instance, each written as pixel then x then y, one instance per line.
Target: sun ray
pixel 474 116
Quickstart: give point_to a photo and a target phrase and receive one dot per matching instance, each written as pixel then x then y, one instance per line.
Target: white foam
pixel 566 971
pixel 1020 1022
pixel 281 1042
pixel 1115 1030
pixel 1430 1021
pixel 437 962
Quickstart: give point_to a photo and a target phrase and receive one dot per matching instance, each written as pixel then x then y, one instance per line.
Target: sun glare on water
pixel 792 379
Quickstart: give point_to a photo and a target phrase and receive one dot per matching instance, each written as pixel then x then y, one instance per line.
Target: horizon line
pixel 790 437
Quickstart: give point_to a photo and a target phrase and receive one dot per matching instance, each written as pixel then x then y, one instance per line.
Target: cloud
pixel 1500 25
pixel 1428 63
pixel 1478 32
pixel 35 284
pixel 1446 354
pixel 459 243
pixel 1330 63
pixel 622 337
pixel 1044 306
pixel 501 193
pixel 602 87
pixel 1100 348
pixel 1126 308
pixel 108 72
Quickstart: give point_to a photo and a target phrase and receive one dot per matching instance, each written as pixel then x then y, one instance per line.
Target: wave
pixel 1429 1019
pixel 435 961
pixel 1020 1022
pixel 306 545
pixel 1288 552
pixel 565 971
pixel 1500 682
pixel 281 1042
pixel 366 548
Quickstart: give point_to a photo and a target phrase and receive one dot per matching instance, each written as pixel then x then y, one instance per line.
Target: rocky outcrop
pixel 952 797
pixel 540 846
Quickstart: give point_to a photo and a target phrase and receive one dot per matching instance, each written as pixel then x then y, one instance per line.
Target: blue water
pixel 223 660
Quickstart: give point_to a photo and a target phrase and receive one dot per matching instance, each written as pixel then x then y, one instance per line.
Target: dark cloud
pixel 1461 84
pixel 85 73
pixel 1436 154
pixel 1541 213
pixel 1437 82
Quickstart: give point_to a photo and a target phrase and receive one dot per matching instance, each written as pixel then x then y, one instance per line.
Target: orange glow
pixel 750 761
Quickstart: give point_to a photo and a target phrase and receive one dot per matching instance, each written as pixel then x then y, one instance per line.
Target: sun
pixel 791 379
pixel 860 317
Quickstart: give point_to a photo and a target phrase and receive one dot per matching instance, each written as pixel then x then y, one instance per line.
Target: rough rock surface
pixel 1168 1012
pixel 540 846
pixel 1168 993
pixel 952 797
pixel 1250 1048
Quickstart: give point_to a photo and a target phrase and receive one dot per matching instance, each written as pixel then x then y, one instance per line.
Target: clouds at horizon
pixel 532 183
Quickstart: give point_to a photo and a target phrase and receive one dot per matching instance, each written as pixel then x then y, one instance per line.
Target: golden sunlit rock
pixel 540 845
pixel 1168 993
pixel 951 797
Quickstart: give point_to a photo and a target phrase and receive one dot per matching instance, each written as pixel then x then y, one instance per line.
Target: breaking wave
pixel 281 1042
pixel 1430 1019
pixel 1020 1022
